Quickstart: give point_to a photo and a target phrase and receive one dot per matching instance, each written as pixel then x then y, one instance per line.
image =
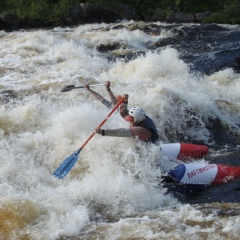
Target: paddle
pixel 71 87
pixel 69 162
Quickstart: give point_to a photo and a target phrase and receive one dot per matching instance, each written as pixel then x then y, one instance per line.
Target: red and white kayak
pixel 204 174
pixel 183 151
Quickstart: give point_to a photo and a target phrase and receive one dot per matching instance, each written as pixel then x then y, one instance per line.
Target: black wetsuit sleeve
pixel 107 103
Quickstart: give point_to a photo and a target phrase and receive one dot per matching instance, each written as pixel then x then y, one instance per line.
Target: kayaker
pixel 141 127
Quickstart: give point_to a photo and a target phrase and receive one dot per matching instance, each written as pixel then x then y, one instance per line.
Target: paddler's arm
pixel 119 132
pixel 140 133
pixel 123 106
pixel 111 95
pixel 99 97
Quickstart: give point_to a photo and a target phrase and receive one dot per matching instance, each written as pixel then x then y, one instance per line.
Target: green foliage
pixel 60 9
pixel 197 6
pixel 31 8
pixel 224 11
pixel 38 9
pixel 2 5
pixel 232 10
pixel 214 18
pixel 228 14
pixel 46 9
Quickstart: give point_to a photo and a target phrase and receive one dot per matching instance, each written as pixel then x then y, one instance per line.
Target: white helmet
pixel 137 113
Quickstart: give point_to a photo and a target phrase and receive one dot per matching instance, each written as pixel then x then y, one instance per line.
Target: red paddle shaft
pixel 119 103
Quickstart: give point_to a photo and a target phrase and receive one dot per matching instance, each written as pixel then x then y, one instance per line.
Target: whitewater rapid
pixel 113 191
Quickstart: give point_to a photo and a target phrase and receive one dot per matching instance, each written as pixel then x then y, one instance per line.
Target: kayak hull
pixel 192 178
pixel 183 151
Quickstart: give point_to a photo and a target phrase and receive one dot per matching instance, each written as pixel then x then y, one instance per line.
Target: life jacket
pixel 149 124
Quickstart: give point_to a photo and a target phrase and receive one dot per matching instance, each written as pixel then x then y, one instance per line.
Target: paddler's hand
pixel 87 87
pixel 100 131
pixel 125 98
pixel 108 84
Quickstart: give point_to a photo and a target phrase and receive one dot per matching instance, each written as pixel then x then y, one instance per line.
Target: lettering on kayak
pixel 197 171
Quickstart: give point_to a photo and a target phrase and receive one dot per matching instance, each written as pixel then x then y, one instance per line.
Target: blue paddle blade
pixel 66 165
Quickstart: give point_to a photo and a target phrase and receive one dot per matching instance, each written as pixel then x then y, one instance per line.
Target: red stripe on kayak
pixel 188 151
pixel 226 173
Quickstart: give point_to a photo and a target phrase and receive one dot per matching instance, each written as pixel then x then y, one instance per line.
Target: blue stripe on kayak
pixel 178 172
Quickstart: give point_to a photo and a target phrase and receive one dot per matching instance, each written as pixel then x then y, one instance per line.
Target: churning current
pixel 184 76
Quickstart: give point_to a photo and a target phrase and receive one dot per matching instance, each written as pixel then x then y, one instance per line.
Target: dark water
pixel 208 49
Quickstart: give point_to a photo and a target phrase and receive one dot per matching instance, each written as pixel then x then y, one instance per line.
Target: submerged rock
pixel 7 95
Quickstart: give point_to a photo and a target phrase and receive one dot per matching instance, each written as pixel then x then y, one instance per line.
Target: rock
pixel 137 25
pixel 9 21
pixel 158 15
pixel 108 47
pixel 5 26
pixel 7 95
pixel 91 13
pixel 199 17
pixel 35 23
pixel 125 11
pixel 180 18
pixel 76 15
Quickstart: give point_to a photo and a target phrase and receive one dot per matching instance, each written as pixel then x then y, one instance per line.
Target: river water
pixel 180 74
